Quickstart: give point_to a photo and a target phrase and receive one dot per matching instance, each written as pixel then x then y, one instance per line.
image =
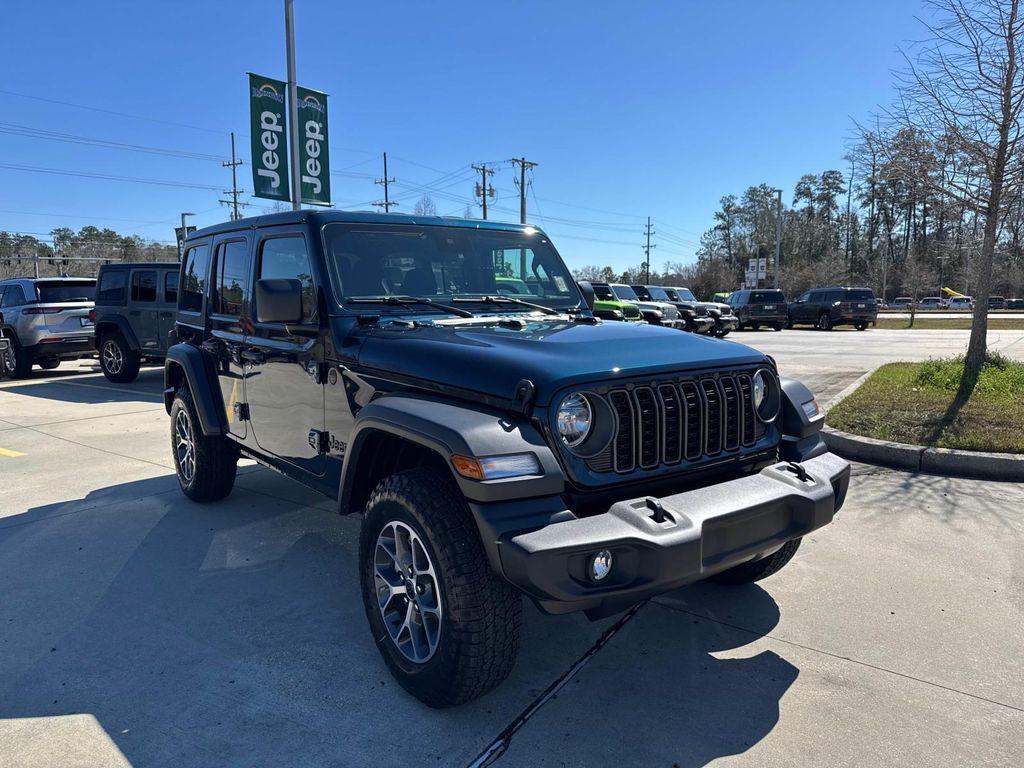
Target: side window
pixel 171 288
pixel 144 286
pixel 831 296
pixel 112 287
pixel 3 292
pixel 194 270
pixel 286 258
pixel 232 277
pixel 804 297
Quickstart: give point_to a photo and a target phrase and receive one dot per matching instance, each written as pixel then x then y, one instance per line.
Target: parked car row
pixel 953 303
pixel 674 307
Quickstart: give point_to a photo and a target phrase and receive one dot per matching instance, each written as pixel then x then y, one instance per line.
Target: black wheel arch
pixel 114 321
pixel 187 365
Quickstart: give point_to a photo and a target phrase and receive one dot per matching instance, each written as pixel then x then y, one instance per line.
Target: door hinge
pixel 319 441
pixel 241 411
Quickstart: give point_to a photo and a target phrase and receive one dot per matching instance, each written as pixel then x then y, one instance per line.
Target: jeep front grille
pixel 669 422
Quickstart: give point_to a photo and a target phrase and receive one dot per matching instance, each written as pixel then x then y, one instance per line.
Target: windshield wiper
pixel 409 301
pixel 507 300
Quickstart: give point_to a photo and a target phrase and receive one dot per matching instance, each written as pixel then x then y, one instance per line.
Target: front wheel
pixel 206 465
pixel 861 326
pixel 776 327
pixel 755 570
pixel 445 624
pixel 825 322
pixel 120 364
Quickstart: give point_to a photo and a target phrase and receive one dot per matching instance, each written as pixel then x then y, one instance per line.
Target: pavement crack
pixel 493 751
pixel 867 664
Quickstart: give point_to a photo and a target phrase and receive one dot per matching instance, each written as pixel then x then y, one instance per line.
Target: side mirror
pixel 278 301
pixel 588 293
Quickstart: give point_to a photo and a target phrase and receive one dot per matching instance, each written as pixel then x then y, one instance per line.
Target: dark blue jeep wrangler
pixel 495 444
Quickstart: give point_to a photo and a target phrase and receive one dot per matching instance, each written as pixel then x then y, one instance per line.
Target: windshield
pixel 685 294
pixel 55 293
pixel 371 260
pixel 625 293
pixel 658 294
pixel 604 293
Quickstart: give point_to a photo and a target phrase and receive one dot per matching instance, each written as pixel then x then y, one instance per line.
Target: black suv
pixel 495 445
pixel 758 307
pixel 825 308
pixel 135 309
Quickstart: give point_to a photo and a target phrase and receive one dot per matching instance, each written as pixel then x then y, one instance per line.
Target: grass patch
pixel 951 323
pixel 911 403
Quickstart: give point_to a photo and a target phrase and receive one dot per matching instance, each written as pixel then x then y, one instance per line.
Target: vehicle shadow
pixel 90 388
pixel 234 634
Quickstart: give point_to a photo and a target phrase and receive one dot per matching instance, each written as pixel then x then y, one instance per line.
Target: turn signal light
pixel 496 467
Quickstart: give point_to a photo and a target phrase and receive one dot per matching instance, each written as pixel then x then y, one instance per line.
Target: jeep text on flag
pixel 314 167
pixel 269 138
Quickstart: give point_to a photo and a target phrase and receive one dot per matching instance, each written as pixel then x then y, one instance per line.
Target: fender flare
pixel 185 361
pixel 448 428
pixel 123 326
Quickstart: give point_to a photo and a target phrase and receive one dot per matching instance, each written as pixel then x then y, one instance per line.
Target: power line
pixel 70 138
pixel 108 177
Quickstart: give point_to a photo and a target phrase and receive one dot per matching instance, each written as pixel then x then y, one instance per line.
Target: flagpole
pixel 293 104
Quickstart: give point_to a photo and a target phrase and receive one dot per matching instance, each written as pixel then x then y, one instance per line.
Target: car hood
pixel 718 306
pixel 551 352
pixel 670 310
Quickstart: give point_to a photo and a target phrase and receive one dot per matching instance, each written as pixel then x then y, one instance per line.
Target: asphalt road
pixel 137 628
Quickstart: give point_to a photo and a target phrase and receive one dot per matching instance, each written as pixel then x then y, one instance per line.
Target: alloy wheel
pixel 184 446
pixel 408 592
pixel 113 357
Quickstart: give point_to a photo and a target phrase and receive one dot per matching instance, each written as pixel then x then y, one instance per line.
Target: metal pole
pixel 522 190
pixel 293 103
pixel 234 180
pixel 483 187
pixel 35 264
pixel 778 233
pixel 387 200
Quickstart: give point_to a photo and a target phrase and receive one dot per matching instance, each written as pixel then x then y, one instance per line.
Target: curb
pixel 918 458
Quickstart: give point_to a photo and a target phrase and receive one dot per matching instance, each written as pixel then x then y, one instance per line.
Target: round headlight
pixel 766 396
pixel 574 419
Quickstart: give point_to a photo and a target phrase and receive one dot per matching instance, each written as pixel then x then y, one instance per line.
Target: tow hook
pixel 798 470
pixel 658 513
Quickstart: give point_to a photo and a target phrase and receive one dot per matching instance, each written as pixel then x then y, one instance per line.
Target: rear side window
pixel 144 286
pixel 860 294
pixel 12 296
pixel 830 296
pixel 286 258
pixel 195 269
pixel 112 286
pixel 66 291
pixel 171 288
pixel 232 277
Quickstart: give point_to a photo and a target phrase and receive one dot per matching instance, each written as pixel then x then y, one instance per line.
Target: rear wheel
pixel 756 326
pixel 825 322
pixel 776 326
pixel 756 570
pixel 789 322
pixel 119 362
pixel 861 326
pixel 205 464
pixel 445 624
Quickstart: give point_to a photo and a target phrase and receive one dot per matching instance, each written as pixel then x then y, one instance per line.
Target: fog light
pixel 600 565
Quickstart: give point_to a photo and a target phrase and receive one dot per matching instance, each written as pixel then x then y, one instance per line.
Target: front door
pixel 229 317
pixel 283 386
pixel 143 311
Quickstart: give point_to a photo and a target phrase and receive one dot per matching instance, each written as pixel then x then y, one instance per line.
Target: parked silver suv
pixel 47 320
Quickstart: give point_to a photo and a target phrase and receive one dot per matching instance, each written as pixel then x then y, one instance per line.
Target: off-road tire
pixel 130 360
pixel 756 570
pixel 215 456
pixel 824 322
pixel 481 613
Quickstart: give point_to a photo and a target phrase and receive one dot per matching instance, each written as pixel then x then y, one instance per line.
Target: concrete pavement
pixel 137 628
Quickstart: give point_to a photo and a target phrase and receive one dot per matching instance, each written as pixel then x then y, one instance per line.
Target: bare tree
pixel 425 206
pixel 965 87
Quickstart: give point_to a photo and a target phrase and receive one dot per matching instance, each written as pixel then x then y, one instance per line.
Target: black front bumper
pixel 702 532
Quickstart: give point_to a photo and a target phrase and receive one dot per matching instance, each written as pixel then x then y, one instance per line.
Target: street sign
pixel 314 165
pixel 762 269
pixel 180 236
pixel 269 138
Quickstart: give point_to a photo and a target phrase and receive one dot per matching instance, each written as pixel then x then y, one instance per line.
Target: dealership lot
pixel 137 628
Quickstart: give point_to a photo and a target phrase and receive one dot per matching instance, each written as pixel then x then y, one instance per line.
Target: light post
pixel 778 232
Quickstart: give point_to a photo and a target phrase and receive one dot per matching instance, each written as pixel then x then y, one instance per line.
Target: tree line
pixel 80 254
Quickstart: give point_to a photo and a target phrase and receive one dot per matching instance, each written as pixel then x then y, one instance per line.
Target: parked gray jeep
pixel 135 309
pixel 496 445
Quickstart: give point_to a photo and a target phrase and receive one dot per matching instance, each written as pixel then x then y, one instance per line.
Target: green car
pixel 722 297
pixel 608 306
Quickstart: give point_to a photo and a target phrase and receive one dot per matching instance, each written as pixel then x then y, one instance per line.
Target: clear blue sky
pixel 646 108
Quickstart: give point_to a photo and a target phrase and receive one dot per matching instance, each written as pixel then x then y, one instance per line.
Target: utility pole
pixel 849 223
pixel 386 202
pixel 647 252
pixel 482 190
pixel 778 234
pixel 233 202
pixel 293 103
pixel 524 165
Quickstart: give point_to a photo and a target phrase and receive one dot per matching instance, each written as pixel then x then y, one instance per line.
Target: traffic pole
pixel 293 103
